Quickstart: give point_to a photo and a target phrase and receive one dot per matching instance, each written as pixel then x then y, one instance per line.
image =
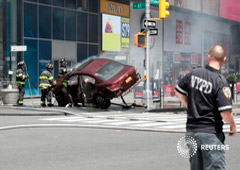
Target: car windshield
pixel 109 70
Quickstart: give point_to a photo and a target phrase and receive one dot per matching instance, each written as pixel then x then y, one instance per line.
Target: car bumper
pixel 132 87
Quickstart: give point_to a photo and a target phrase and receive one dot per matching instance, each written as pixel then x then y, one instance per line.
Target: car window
pixel 88 79
pixel 109 70
pixel 73 80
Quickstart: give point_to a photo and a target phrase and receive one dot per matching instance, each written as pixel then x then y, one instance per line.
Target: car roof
pixel 92 66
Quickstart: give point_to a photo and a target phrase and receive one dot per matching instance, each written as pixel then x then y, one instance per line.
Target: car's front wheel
pixel 102 102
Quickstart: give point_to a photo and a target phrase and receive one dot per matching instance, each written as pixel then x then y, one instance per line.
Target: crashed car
pixel 96 81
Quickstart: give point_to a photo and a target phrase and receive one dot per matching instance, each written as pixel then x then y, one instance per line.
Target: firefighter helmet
pixel 21 64
pixel 49 66
pixel 63 61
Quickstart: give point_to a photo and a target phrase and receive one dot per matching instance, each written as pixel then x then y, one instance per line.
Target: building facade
pixel 79 29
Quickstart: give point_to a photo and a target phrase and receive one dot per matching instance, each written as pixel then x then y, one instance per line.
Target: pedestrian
pixel 21 77
pixel 46 83
pixel 207 96
pixel 63 67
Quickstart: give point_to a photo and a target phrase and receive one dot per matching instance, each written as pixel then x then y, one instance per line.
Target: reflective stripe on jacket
pixel 46 79
pixel 62 71
pixel 20 77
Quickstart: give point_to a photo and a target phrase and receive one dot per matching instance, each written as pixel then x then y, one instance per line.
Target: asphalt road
pixel 81 148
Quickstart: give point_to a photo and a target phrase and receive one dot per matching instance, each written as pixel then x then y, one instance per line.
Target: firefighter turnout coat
pixel 46 80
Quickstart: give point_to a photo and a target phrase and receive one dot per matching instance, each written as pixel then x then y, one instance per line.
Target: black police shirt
pixel 208 94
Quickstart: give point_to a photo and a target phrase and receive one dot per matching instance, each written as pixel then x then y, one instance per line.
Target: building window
pixel 58 2
pixel 45 1
pixel 58 24
pixel 82 5
pixel 93 50
pixel 93 24
pixel 31 60
pixel 44 22
pixel 70 25
pixel 31 0
pixel 45 54
pixel 30 20
pixel 81 52
pixel 70 4
pixel 82 27
pixel 93 6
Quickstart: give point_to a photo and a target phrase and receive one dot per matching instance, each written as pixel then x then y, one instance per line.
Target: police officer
pixel 46 83
pixel 21 77
pixel 63 68
pixel 207 96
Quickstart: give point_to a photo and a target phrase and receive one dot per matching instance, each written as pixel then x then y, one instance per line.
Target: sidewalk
pixel 32 107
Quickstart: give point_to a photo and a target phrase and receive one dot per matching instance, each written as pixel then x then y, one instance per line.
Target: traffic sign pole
pixel 147 15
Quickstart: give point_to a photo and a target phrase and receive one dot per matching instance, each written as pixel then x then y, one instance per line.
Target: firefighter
pixel 46 83
pixel 21 77
pixel 62 72
pixel 63 68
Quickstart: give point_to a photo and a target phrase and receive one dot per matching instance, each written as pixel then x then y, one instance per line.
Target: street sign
pixel 149 23
pixel 154 2
pixel 19 48
pixel 153 31
pixel 139 5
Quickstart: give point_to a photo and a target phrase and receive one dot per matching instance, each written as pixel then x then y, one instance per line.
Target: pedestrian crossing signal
pixel 140 40
pixel 145 77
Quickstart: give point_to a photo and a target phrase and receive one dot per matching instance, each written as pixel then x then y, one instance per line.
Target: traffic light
pixel 140 40
pixel 163 12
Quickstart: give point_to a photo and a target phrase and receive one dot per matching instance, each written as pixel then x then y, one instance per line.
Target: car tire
pixel 102 102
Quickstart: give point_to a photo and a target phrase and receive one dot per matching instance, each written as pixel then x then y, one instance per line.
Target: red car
pixel 97 81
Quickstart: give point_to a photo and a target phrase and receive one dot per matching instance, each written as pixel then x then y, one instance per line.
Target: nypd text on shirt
pixel 201 84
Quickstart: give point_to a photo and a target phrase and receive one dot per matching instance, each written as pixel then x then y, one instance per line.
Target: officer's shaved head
pixel 217 53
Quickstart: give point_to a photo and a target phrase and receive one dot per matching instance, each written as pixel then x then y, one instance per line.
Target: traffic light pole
pixel 147 15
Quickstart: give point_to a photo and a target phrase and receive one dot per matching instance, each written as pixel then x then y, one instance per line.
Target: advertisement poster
pixel 210 7
pixel 111 33
pixel 187 33
pixel 125 32
pixel 229 9
pixel 176 58
pixel 196 59
pixel 179 32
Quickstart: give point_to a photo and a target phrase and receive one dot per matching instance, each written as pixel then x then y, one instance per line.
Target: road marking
pixel 130 122
pixel 164 122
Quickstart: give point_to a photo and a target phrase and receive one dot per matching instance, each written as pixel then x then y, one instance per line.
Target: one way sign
pixel 149 23
pixel 153 31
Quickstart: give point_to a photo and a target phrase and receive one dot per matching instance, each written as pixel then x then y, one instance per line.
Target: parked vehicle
pixel 100 80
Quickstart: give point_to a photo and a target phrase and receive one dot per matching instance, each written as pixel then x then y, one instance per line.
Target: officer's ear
pixel 209 57
pixel 224 59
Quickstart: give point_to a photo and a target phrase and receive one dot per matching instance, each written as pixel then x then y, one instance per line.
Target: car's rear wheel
pixel 102 102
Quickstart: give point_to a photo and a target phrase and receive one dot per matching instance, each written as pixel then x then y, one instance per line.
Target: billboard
pixel 230 9
pixel 194 5
pixel 111 33
pixel 125 32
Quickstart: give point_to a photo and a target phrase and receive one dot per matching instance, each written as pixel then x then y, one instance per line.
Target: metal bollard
pixel 161 97
pixel 235 94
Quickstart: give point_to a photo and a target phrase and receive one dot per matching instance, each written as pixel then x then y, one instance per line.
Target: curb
pixel 49 112
pixel 178 109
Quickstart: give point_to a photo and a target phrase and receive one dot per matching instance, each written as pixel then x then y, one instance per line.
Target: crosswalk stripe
pixel 125 123
pixel 101 121
pixel 74 120
pixel 62 118
pixel 166 121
